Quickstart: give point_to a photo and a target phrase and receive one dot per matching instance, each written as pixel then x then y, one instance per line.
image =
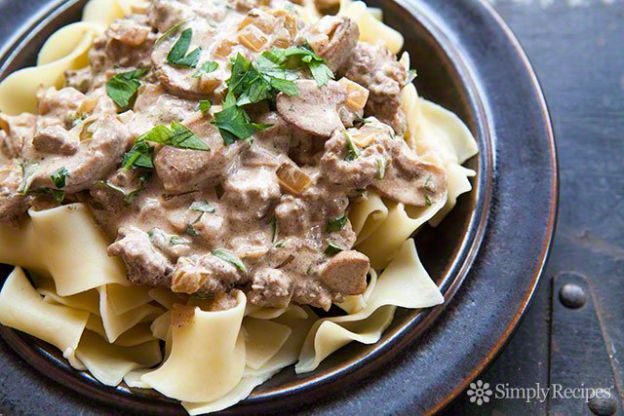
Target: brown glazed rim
pixel 360 366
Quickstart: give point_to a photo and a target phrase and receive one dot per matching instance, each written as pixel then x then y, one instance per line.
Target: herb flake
pixel 123 87
pixel 337 224
pixel 59 177
pixel 230 257
pixel 178 53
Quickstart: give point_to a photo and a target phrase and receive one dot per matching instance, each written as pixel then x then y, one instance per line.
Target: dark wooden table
pixel 578 53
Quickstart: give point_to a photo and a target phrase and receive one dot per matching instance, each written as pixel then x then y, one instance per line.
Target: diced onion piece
pixel 224 48
pixel 252 38
pixel 88 105
pixel 289 21
pixel 357 95
pixel 208 84
pixel 245 22
pixel 293 178
pixel 366 135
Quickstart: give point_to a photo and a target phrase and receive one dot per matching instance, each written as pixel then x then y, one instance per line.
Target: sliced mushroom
pixel 315 109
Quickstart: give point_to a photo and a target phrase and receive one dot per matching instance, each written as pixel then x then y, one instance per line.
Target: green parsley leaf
pixel 234 124
pixel 353 152
pixel 284 85
pixel 171 31
pixel 59 196
pixel 206 68
pixel 204 106
pixel 190 230
pixel 184 138
pixel 140 156
pixel 333 248
pixel 337 224
pixel 60 177
pixel 428 200
pixel 296 57
pixel 128 195
pixel 123 87
pixel 28 175
pixel 274 229
pixel 178 53
pixel 203 206
pixel 230 258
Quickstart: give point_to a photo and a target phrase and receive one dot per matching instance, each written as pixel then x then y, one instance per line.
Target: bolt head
pixel 572 296
pixel 603 405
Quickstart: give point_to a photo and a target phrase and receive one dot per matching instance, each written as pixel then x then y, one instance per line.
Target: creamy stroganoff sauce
pixel 220 145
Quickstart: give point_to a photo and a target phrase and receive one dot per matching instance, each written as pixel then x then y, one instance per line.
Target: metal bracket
pixel 579 356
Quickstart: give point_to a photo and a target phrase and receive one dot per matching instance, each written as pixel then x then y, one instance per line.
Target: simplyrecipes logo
pixel 480 392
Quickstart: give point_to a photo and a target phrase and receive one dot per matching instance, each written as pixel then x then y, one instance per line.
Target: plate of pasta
pixel 212 205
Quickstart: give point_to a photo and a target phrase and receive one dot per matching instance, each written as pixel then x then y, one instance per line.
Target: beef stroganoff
pixel 188 181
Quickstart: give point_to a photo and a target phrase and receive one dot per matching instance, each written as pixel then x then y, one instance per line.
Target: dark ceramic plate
pixel 487 256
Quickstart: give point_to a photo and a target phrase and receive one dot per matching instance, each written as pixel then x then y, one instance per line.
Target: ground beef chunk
pixel 270 288
pixel 412 181
pixel 205 274
pixel 377 69
pixel 355 172
pixel 250 192
pixel 56 139
pixel 145 264
pixel 16 133
pixel 96 158
pixel 12 202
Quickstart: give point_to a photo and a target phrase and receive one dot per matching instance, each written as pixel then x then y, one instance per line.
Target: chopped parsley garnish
pixel 178 53
pixel 171 31
pixel 254 82
pixel 204 106
pixel 333 248
pixel 230 258
pixel 203 206
pixel 381 168
pixel 140 156
pixel 177 135
pixel 123 87
pixel 337 224
pixel 128 195
pixel 60 177
pixel 297 57
pixel 274 230
pixel 59 196
pixel 428 200
pixel 235 124
pixel 156 235
pixel 353 152
pixel 28 173
pixel 206 68
pixel 190 230
pixel 78 118
pixel 411 76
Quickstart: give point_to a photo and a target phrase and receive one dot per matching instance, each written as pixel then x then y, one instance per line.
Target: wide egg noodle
pixel 371 29
pixel 17 247
pixel 299 325
pixel 18 91
pixel 263 339
pixel 109 363
pixel 116 324
pixel 207 356
pixel 75 249
pixel 402 221
pixel 404 283
pixel 366 214
pixel 22 308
